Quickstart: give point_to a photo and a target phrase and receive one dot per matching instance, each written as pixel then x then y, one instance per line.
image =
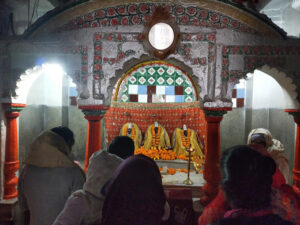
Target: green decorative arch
pixel 155 82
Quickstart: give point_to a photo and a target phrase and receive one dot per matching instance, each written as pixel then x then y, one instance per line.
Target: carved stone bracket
pixel 216 112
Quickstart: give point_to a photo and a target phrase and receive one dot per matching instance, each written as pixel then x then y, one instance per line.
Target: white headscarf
pixel 267 134
pixel 102 166
pixel 276 149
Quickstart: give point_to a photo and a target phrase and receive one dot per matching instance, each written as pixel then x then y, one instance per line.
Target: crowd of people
pixel 120 188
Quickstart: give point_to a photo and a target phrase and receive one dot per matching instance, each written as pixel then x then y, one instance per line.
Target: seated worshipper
pixel 283 198
pixel 85 206
pixel 156 136
pixel 48 177
pixel 184 139
pixel 135 194
pixel 274 147
pixel 133 131
pixel 246 183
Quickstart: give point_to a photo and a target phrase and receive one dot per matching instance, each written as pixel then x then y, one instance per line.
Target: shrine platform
pixel 176 181
pixel 184 200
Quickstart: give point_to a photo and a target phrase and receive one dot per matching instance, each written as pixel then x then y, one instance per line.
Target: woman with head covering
pixel 135 195
pixel 84 206
pixel 49 176
pixel 263 137
pixel 246 183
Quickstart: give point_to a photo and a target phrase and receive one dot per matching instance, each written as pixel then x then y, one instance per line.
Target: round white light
pixel 161 36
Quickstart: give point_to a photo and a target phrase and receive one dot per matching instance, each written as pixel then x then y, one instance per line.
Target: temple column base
pixel 212 173
pixel 7 211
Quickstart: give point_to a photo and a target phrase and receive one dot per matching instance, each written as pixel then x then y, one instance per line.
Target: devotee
pixel 135 195
pixel 261 136
pixel 85 206
pixel 246 183
pixel 133 131
pixel 184 139
pixel 48 177
pixel 284 201
pixel 156 136
pixel 121 146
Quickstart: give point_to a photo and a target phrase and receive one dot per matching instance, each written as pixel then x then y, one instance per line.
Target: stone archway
pixel 273 92
pixel 12 106
pixel 264 107
pixel 50 96
pixel 287 84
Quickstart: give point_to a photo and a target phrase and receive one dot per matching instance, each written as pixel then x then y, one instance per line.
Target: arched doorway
pixel 50 97
pixel 260 100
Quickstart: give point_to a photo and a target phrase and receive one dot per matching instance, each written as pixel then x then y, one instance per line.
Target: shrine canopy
pixel 155 91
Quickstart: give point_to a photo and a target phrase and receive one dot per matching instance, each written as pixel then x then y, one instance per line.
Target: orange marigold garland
pixel 186 140
pixel 163 153
pixel 166 154
pixel 171 171
pixel 152 153
pixel 156 153
pixel 132 132
pixel 155 136
pixel 182 157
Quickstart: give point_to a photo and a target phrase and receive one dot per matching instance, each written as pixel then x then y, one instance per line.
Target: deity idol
pixel 156 136
pixel 184 139
pixel 133 131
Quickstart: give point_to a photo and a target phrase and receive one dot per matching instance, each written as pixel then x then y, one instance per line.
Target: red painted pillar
pixel 11 164
pixel 94 114
pixel 212 173
pixel 296 171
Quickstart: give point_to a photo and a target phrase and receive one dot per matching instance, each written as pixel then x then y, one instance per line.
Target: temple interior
pixel 219 68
